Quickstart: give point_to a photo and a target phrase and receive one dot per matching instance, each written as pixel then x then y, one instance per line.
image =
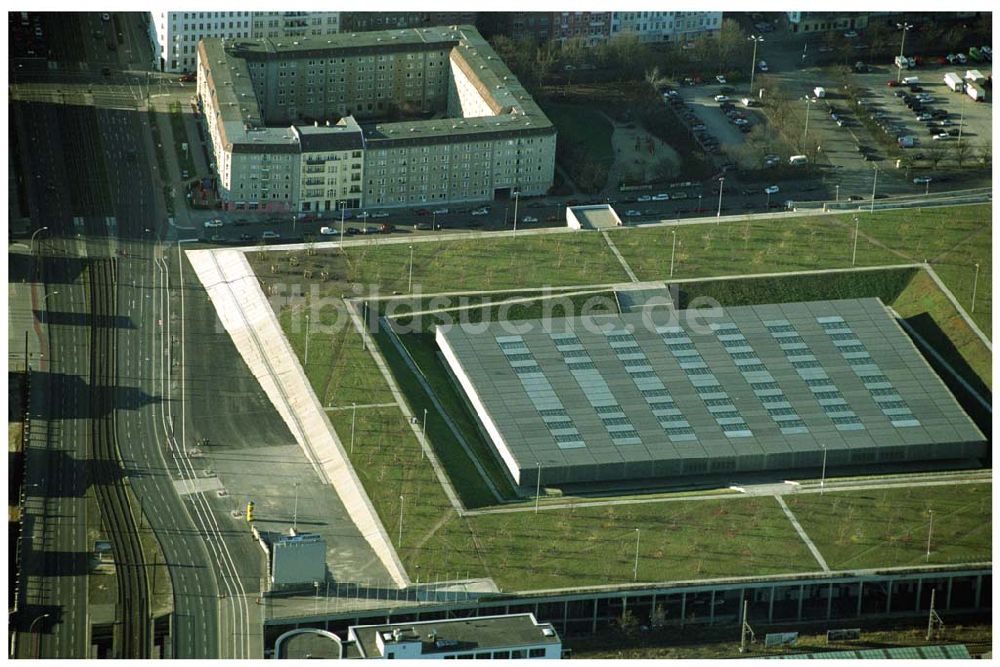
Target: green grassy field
pixel 864 529
pixel 951 239
pixel 678 540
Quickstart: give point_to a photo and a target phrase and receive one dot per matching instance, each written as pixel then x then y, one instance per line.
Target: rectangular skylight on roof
pixel 540 392
pixel 648 383
pixel 856 355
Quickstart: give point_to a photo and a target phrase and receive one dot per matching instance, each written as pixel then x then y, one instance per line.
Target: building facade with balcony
pixel 666 26
pixel 176 34
pixel 324 115
pixel 813 22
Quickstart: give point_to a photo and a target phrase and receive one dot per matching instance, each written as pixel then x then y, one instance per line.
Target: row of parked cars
pixel 737 117
pixel 698 129
pixel 939 125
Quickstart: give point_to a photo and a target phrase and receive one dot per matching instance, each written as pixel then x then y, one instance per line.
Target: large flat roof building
pixel 675 394
pixel 374 119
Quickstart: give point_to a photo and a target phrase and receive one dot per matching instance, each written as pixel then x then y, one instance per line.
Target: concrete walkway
pixel 621 259
pixel 805 538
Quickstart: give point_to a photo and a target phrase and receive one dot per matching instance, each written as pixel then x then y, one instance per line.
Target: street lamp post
pixel 36 232
pixel 822 479
pixel 307 340
pixel 838 191
pixel 517 193
pixel 673 248
pixel 854 252
pixel 31 631
pixel 354 414
pixel 930 531
pixel 343 212
pixel 975 283
pixel 874 184
pixel 904 27
pixel 753 62
pixel 718 213
pixel 295 512
pixel 538 484
pixel 635 568
pixel 423 434
pixel 808 109
pixel 409 283
pixel 399 542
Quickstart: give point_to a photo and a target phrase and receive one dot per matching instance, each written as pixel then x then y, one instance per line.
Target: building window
pixel 536 653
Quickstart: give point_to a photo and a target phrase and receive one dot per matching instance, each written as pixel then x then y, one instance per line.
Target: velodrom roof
pixel 667 393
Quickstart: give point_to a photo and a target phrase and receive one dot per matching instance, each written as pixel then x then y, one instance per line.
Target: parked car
pixel 721 79
pixel 645 198
pixel 328 231
pixel 270 235
pixel 632 213
pixel 721 98
pixel 380 214
pixel 441 211
pixel 213 223
pixel 941 137
pixel 363 215
pixel 892 83
pixel 921 180
pixel 850 34
pixel 762 66
pixel 529 218
pixel 661 197
pixel 480 211
pixel 772 189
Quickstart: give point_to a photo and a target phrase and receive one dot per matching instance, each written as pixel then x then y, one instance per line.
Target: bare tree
pixel 962 152
pixel 985 154
pixel 654 78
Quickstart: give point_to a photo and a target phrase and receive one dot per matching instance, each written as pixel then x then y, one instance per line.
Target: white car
pixel 440 211
pixel 721 98
pixel 364 215
pixel 850 34
pixel 480 211
pixel 632 213
pixel 381 214
pixel 721 79
pixel 529 218
pixel 213 224
pixel 772 190
pixel 944 136
pixel 645 198
pixel 661 197
pixel 328 231
pixel 921 180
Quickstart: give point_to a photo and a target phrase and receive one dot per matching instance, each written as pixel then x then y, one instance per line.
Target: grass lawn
pixel 494 263
pixel 952 239
pixel 580 125
pixel 184 160
pixel 678 540
pixel 882 528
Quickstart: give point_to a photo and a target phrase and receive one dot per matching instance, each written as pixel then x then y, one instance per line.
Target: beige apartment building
pixel 379 119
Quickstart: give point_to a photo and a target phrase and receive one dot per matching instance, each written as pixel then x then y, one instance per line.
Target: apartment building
pixel 315 124
pixel 176 35
pixel 813 22
pixel 666 26
pixel 369 21
pixel 590 27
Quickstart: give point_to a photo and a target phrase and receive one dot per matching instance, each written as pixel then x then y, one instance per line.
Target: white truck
pixel 975 91
pixel 974 75
pixel 954 81
pixel 819 91
pixel 902 62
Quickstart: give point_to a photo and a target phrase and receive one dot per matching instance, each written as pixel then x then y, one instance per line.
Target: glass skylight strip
pixel 650 385
pixel 857 357
pixel 540 392
pixel 800 356
pixel 773 397
pixel 706 385
pixel 596 389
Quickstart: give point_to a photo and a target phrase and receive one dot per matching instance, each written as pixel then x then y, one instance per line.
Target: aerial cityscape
pixel 499 334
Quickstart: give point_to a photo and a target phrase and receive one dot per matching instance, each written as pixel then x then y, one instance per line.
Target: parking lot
pixel 975 118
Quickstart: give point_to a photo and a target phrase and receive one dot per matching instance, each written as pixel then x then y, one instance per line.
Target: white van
pixel 911 80
pixel 798 159
pixel 819 91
